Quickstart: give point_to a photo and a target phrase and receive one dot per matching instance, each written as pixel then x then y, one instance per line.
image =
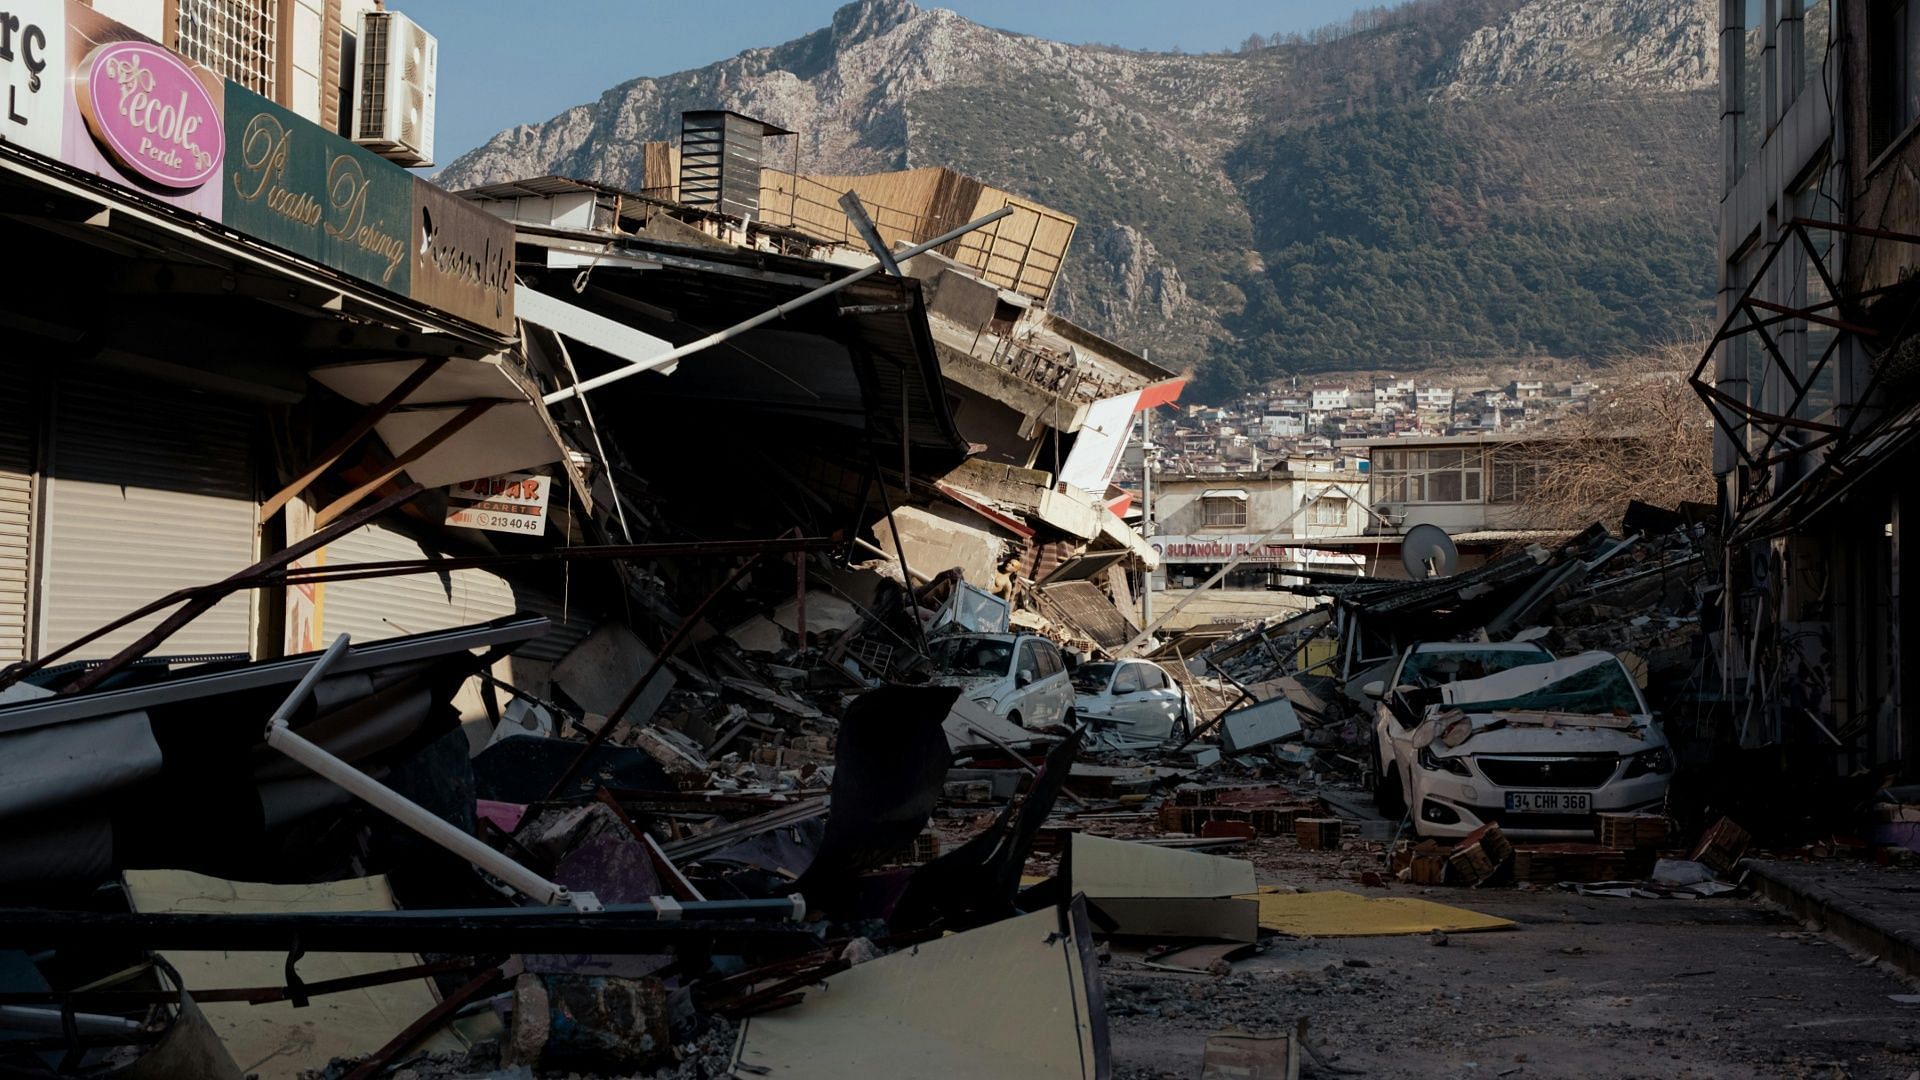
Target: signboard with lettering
pixel 514 503
pixel 1173 548
pixel 149 110
pixel 294 184
pixel 462 258
pixel 101 97
pixel 33 73
pixel 140 115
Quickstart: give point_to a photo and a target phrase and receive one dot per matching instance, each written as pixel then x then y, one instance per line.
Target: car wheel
pixel 1389 796
pixel 1014 719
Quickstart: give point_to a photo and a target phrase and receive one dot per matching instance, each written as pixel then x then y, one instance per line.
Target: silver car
pixel 1022 677
pixel 1128 704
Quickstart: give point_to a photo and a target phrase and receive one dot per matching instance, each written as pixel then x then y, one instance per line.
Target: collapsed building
pixel 375 559
pixel 1810 381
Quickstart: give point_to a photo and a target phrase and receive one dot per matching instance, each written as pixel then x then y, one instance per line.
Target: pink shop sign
pixel 151 114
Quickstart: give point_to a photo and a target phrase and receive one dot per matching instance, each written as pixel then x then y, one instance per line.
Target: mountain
pixel 1447 180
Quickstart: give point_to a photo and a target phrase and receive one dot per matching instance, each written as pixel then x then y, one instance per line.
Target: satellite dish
pixel 1428 552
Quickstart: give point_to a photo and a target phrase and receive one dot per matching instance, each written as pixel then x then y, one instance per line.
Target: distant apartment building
pixel 1202 522
pixel 1329 398
pixel 1284 424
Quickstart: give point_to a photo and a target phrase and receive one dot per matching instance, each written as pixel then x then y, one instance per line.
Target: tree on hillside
pixel 1646 437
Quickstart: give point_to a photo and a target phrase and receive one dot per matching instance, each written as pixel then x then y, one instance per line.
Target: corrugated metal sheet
pixel 1081 605
pixel 416 603
pixel 149 489
pixel 18 411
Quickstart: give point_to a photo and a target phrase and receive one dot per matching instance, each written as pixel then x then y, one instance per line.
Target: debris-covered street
pixel 688 596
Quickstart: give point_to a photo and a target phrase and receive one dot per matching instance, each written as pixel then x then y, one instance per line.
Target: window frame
pixel 1210 518
pixel 276 85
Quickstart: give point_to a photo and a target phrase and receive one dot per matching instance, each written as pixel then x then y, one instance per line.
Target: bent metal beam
pixel 638 364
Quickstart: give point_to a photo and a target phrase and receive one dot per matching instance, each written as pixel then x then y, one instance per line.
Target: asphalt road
pixel 1580 988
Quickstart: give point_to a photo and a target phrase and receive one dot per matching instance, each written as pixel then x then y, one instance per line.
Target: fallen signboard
pixel 513 503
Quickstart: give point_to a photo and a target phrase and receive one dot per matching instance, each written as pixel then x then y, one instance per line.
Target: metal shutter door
pixel 17 412
pixel 377 608
pixel 149 489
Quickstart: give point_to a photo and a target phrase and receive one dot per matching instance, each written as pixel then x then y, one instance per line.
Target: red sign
pixel 151 113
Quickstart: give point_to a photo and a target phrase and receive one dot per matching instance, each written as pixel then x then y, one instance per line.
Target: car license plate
pixel 1550 802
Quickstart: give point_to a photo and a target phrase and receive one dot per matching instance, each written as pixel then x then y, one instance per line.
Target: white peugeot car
pixel 1535 744
pixel 1129 704
pixel 1019 676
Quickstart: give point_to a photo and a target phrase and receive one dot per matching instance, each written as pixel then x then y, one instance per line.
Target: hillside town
pixel 698 615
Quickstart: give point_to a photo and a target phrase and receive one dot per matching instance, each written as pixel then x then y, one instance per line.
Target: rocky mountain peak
pixel 863 19
pixel 1283 207
pixel 1661 45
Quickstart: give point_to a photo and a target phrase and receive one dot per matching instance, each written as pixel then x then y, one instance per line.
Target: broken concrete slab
pixel 598 673
pixel 593 1022
pixel 1257 725
pixel 1019 997
pixel 1148 891
pixel 278 1040
pixel 940 539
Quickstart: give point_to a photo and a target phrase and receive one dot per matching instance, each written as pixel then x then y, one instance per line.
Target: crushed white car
pixel 1538 748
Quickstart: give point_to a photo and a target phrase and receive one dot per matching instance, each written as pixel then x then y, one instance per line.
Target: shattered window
pixel 1600 689
pixel 972 655
pixel 1092 678
pixel 1432 668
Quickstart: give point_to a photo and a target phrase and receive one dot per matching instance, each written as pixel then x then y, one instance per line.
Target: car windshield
pixel 972 656
pixel 1598 689
pixel 1436 667
pixel 1091 678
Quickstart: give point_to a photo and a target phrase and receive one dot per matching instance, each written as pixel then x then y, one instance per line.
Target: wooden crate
pixel 1722 846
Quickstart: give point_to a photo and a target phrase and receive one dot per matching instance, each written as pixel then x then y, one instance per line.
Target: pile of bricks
pixel 1480 855
pixel 1318 834
pixel 1424 863
pixel 1629 832
pixel 1272 811
pixel 1550 864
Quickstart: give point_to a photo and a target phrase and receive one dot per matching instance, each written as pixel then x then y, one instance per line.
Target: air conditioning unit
pixel 395 67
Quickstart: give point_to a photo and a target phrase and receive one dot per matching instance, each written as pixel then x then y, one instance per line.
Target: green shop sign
pixel 298 186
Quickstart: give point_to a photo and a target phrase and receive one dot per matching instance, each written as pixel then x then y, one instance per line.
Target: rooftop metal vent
pixel 720 155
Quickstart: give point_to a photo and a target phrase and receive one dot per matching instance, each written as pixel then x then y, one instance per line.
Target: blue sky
pixel 507 62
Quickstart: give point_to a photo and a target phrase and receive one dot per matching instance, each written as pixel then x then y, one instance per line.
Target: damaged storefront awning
pixel 466 420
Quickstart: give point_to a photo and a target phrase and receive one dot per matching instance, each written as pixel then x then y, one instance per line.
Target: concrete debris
pixel 809 728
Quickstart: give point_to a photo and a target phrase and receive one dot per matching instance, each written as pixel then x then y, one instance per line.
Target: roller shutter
pixel 148 489
pixel 17 413
pixel 388 607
